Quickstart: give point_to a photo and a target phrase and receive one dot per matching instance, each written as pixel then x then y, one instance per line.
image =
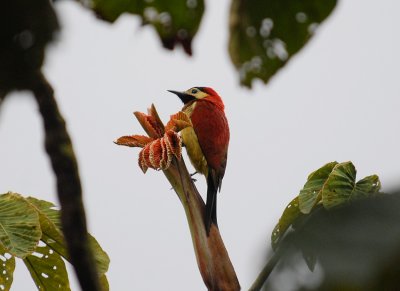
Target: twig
pixel 266 271
pixel 59 149
pixel 283 248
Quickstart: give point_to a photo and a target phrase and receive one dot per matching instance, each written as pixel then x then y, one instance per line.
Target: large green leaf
pixel 311 192
pixel 264 35
pixel 19 225
pixel 53 237
pixel 176 21
pixel 7 266
pixel 23 221
pixel 47 269
pixel 339 187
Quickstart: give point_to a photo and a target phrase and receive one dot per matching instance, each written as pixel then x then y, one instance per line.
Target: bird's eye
pixel 194 91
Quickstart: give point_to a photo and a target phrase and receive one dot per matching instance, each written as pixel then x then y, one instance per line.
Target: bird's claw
pixel 193 179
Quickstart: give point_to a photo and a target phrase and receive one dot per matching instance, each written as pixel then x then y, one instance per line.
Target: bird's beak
pixel 186 98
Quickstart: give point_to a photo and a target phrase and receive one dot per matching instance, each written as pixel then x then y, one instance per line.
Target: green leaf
pixel 311 193
pixel 26 27
pixel 176 21
pixel 53 237
pixel 7 267
pixel 340 186
pixel 47 269
pixel 19 225
pixel 264 35
pixel 50 224
pixel 101 257
pixel 367 186
pixel 289 216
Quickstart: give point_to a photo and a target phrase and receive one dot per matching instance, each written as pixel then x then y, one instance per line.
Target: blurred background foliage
pixel 352 244
pixel 263 35
pixel 354 247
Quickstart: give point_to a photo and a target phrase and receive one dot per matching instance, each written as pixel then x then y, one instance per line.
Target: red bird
pixel 207 141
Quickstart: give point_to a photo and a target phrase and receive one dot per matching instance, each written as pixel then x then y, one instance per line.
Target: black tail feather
pixel 211 204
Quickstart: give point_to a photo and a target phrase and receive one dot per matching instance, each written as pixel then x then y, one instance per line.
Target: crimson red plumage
pixel 213 135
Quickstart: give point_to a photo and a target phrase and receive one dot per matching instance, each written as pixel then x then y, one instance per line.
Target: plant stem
pixel 59 149
pixel 266 271
pixel 212 258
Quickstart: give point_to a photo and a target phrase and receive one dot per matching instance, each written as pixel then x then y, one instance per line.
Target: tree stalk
pixel 60 151
pixel 212 257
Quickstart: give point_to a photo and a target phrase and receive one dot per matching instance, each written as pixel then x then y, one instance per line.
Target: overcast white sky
pixel 338 99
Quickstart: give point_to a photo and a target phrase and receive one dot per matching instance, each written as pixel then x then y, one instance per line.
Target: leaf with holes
pixel 341 187
pixel 7 267
pixel 53 237
pixel 264 35
pixel 290 215
pixel 47 269
pixel 176 21
pixel 310 195
pixel 19 225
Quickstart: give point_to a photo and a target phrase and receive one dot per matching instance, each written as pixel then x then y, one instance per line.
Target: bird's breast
pixel 194 150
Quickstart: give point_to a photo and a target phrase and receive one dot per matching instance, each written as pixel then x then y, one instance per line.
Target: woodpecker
pixel 207 141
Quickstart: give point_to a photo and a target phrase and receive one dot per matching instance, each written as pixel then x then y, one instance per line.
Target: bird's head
pixel 199 93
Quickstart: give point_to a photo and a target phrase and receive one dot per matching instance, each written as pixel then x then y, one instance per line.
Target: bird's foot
pixel 191 176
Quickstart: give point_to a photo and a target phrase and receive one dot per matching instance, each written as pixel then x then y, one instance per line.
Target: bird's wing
pixel 212 130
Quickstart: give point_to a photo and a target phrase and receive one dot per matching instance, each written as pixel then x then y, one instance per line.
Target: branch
pixel 281 251
pixel 212 258
pixel 59 149
pixel 162 150
pixel 266 271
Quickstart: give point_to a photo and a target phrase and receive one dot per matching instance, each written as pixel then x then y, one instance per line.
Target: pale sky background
pixel 338 99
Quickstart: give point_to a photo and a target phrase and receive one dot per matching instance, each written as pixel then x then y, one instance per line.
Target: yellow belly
pixel 194 151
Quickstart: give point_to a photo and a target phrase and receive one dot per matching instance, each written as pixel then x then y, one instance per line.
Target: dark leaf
pixel 25 28
pixel 264 35
pixel 176 21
